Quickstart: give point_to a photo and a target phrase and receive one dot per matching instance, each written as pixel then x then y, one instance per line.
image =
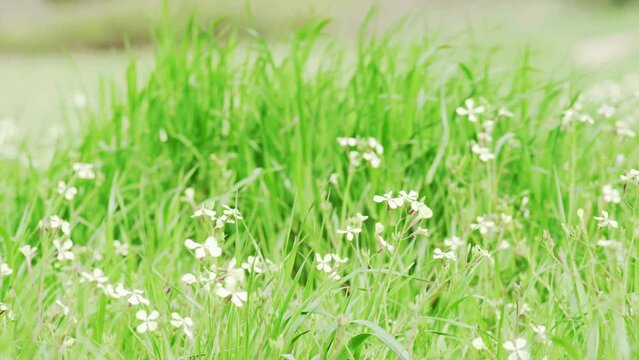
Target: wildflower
pixel 372 159
pixel 517 349
pixel 202 211
pixel 189 194
pixel 96 276
pixel 379 228
pixel 64 250
pixel 471 111
pixel 55 223
pixel 232 215
pixel 453 242
pixel 409 197
pixel 350 232
pixel 421 231
pixel 4 309
pixel 68 192
pixel 610 194
pixel 478 344
pixel 359 219
pixel 116 293
pixel 347 141
pixel 231 289
pixel 186 323
pixel 164 137
pixel 504 113
pixel 392 203
pixel 339 260
pixel 606 110
pixel 540 330
pixel 149 322
pixel 484 225
pixel 136 298
pixel 449 255
pixel 121 248
pixel 630 176
pixel 79 100
pixel 188 278
pixel 84 171
pixel 209 279
pixel 254 263
pixel 63 307
pixel 68 342
pixel 622 128
pixel 423 212
pixel 484 153
pixel 324 263
pixel 605 221
pixel 210 245
pixel 5 270
pixel 28 251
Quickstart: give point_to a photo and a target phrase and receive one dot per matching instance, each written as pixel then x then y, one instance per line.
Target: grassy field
pixel 411 198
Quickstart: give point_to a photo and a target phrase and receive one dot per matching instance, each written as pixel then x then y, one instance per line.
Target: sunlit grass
pixel 500 245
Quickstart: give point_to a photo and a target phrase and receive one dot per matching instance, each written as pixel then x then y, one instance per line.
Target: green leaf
pixel 385 337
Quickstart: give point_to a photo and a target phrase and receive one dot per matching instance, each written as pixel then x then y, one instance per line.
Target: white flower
pixel 471 111
pixel 347 141
pixel 517 349
pixel 231 289
pixel 121 248
pixel 202 211
pixel 210 245
pixel 540 330
pixel 163 135
pixel 189 279
pixel 5 270
pixel 324 263
pixel 453 242
pixel 379 228
pixel 409 196
pixel 392 203
pixel 232 214
pixel 186 323
pixel 609 244
pixel 449 255
pixel 505 113
pixel 68 342
pixel 55 223
pixel 84 171
pixel 136 298
pixel 116 293
pixel 68 192
pixel 96 276
pixel 338 260
pixel 610 194
pixel 189 194
pixel 63 307
pixel 64 250
pixel 606 110
pixel 254 263
pixel 79 100
pixel 478 343
pixel 28 251
pixel 605 221
pixel 631 176
pixel 483 152
pixel 622 128
pixel 350 232
pixel 423 212
pixel 483 225
pixel 149 322
pixel 5 309
pixel 372 159
pixel 421 231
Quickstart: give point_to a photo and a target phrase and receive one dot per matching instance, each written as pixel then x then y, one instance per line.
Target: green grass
pixel 256 129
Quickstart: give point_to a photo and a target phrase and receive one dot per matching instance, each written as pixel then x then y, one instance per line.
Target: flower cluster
pixel 329 263
pixel 369 150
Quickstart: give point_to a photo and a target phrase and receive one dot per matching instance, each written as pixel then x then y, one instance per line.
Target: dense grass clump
pixel 277 162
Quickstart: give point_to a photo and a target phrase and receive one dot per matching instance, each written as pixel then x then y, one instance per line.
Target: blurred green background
pixel 53 50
